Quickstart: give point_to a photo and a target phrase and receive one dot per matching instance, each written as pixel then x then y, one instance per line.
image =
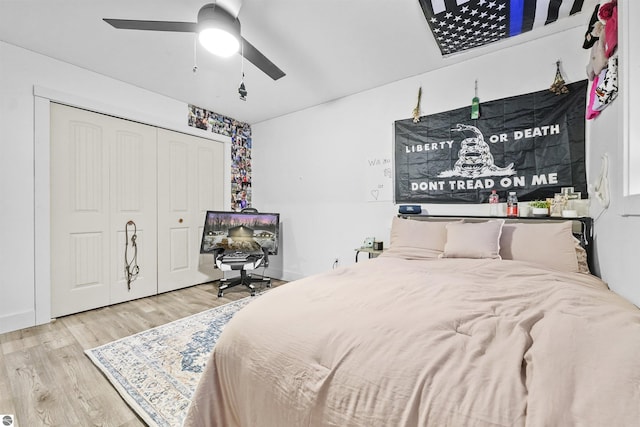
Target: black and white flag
pixel 532 144
pixel 459 25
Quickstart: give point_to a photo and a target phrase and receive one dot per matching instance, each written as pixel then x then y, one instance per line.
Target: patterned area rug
pixel 156 371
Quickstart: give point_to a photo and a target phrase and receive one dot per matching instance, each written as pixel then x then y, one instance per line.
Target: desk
pixel 372 252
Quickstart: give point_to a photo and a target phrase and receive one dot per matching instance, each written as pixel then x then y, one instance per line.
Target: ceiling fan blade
pixel 132 24
pixel 254 56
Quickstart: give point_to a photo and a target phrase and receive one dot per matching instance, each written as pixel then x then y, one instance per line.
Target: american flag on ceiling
pixel 459 25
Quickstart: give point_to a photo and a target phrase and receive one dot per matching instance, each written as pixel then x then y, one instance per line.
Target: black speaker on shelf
pixel 410 209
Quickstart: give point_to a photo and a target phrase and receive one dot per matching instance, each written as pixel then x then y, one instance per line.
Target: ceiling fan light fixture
pixel 219 31
pixel 219 42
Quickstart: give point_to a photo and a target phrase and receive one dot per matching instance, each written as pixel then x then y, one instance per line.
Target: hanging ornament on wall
pixel 558 87
pixel 475 104
pixel 416 111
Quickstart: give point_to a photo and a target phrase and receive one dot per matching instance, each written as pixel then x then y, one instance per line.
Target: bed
pixel 457 324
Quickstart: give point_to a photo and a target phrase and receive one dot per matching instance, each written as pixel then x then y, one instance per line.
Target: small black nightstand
pixel 372 252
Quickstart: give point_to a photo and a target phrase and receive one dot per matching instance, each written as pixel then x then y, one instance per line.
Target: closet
pixel 108 172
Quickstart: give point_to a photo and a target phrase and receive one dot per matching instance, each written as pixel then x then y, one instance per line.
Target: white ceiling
pixel 327 48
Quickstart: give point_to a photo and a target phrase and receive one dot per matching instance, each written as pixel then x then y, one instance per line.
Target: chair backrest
pixel 253 210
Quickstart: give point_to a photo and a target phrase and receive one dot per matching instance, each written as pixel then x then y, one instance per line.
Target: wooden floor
pixel 47 380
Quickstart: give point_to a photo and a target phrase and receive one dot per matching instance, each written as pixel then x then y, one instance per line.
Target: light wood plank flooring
pixel 47 380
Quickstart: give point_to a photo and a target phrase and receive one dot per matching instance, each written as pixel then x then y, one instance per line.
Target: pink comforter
pixel 450 342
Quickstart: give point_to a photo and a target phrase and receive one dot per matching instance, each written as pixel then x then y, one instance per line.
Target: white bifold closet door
pixel 107 171
pixel 103 174
pixel 190 182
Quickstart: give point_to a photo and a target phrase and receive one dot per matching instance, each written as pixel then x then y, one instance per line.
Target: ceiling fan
pixel 219 32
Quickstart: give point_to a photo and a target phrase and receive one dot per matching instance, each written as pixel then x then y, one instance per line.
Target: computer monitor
pixel 240 231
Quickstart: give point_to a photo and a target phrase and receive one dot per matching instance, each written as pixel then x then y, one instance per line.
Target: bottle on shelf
pixel 512 204
pixel 494 203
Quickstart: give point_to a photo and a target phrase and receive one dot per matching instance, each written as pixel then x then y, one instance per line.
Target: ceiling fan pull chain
pixel 195 54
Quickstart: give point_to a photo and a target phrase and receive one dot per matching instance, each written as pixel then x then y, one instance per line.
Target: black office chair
pixel 249 258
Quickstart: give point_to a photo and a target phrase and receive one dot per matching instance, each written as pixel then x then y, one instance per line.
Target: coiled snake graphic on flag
pixel 474 157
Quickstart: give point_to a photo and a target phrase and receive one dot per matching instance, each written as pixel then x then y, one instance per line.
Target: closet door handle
pixel 180 220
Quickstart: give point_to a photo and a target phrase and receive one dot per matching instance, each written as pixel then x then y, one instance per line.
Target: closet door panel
pixel 180 181
pixel 189 173
pixel 210 187
pixel 79 211
pixel 133 173
pixel 180 253
pixel 175 193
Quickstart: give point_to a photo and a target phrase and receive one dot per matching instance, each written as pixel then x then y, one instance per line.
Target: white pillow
pixel 550 244
pixel 416 239
pixel 473 239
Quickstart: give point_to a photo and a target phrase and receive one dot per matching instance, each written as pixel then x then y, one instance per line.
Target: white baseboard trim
pixel 280 274
pixel 13 322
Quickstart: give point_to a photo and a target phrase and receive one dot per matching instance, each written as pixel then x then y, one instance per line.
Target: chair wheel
pixel 220 293
pixel 268 284
pixel 253 292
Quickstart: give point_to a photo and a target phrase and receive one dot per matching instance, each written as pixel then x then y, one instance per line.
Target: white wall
pixel 311 165
pixel 24 161
pixel 616 236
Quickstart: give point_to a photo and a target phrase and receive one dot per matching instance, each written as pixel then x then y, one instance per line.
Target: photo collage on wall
pixel 241 167
pixel 240 134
